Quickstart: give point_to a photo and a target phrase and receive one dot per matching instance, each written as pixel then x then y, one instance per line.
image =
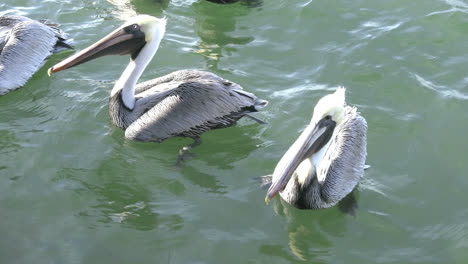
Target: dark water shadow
pixel 349 204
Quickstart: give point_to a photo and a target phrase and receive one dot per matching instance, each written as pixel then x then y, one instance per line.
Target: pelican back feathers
pixel 343 164
pixel 183 103
pixel 24 46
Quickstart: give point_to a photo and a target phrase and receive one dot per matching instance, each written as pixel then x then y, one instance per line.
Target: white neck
pixel 135 68
pixel 317 157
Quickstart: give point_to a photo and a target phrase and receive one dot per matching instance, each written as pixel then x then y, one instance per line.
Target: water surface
pixel 73 190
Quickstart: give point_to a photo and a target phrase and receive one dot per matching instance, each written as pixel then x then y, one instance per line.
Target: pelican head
pixel 139 37
pixel 331 105
pixel 304 156
pixel 130 38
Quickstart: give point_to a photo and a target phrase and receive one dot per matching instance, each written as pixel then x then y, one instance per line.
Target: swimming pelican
pixel 327 160
pixel 183 103
pixel 25 44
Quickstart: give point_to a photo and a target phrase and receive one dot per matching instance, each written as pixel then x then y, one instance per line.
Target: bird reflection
pixel 220 157
pixel 205 181
pixel 212 25
pixel 125 9
pixel 243 137
pixel 150 7
pixel 302 225
pixel 121 198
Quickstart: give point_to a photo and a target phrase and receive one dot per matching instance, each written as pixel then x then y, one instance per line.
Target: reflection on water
pixel 215 40
pixel 249 3
pixel 216 155
pixel 124 9
pixel 223 155
pixel 75 191
pixel 129 8
pixel 349 205
pixel 124 200
pixel 150 7
pixel 8 144
pixel 204 180
pixel 311 232
pixel 457 234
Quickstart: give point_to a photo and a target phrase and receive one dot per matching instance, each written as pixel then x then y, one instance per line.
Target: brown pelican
pixel 327 160
pixel 25 44
pixel 183 103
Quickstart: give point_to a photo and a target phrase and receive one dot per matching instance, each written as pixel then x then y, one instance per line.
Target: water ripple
pixel 374 29
pixel 218 235
pixel 371 184
pixel 440 89
pixel 455 232
pixel 306 3
pixel 456 6
pixel 124 9
pixel 296 91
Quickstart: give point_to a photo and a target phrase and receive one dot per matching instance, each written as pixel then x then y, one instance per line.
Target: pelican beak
pixel 309 142
pixel 127 39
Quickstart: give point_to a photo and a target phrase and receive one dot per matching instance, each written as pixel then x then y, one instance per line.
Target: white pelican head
pixel 130 38
pixel 139 36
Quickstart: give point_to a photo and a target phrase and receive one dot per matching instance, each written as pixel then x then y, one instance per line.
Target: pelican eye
pixel 327 117
pixel 134 28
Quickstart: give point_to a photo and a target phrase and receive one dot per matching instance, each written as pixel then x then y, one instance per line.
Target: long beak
pixel 120 42
pixel 309 142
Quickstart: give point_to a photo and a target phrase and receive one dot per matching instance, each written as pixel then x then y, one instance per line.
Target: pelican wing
pixel 188 108
pixel 24 45
pixel 343 164
pixel 162 83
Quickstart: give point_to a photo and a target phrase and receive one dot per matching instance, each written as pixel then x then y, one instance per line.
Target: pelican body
pixel 327 161
pixel 183 103
pixel 25 44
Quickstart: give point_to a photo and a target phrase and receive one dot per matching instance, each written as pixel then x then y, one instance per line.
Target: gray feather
pixel 343 166
pixel 184 103
pixel 25 44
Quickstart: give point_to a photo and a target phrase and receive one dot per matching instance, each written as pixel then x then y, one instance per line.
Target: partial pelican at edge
pixel 25 44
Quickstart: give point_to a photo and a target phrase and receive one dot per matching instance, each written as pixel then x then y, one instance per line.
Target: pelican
pixel 183 103
pixel 327 160
pixel 25 44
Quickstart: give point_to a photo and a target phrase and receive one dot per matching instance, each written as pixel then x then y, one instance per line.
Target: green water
pixel 73 190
